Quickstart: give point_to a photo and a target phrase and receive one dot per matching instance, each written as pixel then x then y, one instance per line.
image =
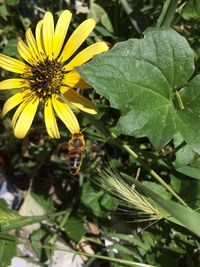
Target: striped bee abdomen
pixel 76 148
pixel 75 160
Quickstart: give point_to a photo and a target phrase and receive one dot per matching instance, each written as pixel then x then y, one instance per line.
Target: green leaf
pixel 102 31
pixel 91 199
pixel 157 188
pixel 3 10
pixel 191 10
pixel 185 153
pixel 37 237
pixel 139 77
pixel 8 249
pixel 97 202
pixel 12 2
pixel 190 171
pixel 75 229
pixel 108 203
pixel 177 211
pixel 99 14
pixel 6 214
pixel 45 201
pixel 188 120
pixel 10 48
pixel 21 221
pixel 190 189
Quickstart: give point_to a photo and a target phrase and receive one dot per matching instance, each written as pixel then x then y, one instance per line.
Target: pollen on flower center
pixel 45 78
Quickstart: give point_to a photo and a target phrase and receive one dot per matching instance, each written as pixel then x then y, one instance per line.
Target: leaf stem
pixel 61 225
pixel 150 170
pixel 179 100
pixel 167 13
pixel 127 262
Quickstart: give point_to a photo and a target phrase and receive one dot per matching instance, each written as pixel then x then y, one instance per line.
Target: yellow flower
pixel 47 75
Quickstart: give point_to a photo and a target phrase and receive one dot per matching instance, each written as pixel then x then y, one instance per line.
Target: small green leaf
pixel 139 78
pixel 97 202
pixel 191 10
pixel 10 48
pixel 3 10
pixel 185 153
pixel 45 201
pixel 75 229
pixel 99 14
pixel 6 214
pixel 108 203
pixel 37 237
pixel 8 249
pixel 91 199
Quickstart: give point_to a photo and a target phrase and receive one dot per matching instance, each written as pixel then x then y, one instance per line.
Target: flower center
pixel 45 78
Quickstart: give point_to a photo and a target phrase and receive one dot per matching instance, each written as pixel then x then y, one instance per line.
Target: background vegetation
pixel 85 212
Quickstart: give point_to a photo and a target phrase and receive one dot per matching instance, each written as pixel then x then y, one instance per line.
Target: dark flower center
pixel 45 78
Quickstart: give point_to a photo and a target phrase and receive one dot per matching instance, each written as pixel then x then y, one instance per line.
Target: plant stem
pixel 151 171
pixel 127 262
pixel 128 11
pixel 61 225
pixel 167 13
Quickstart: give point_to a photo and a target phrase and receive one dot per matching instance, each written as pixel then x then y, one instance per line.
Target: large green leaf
pixel 139 78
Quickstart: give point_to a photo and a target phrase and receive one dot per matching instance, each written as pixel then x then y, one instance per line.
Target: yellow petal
pixel 19 110
pixel 12 64
pixel 25 118
pixel 13 101
pixel 50 120
pixel 48 34
pixel 60 32
pixel 65 114
pixel 39 39
pixel 25 53
pixel 80 102
pixel 77 38
pixel 74 80
pixel 86 55
pixel 32 44
pixel 13 84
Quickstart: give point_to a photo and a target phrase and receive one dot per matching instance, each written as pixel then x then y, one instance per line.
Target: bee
pixel 76 148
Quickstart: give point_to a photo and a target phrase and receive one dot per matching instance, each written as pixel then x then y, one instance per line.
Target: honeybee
pixel 76 148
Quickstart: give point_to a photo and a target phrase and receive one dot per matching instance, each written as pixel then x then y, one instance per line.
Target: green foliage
pixel 96 202
pixel 7 249
pixel 75 228
pixel 141 84
pixel 192 10
pixel 178 212
pixel 100 15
